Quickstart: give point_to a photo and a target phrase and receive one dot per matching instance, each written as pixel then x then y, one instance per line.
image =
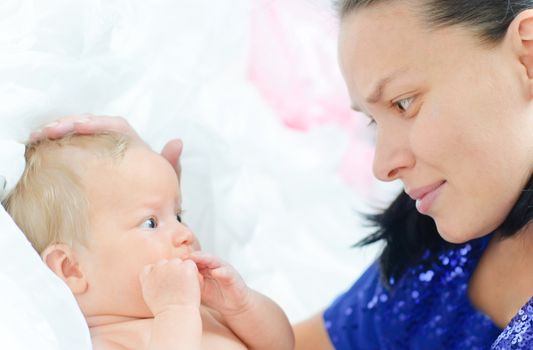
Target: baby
pixel 104 212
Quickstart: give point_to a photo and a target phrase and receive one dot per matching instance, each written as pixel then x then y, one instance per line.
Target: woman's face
pixel 453 117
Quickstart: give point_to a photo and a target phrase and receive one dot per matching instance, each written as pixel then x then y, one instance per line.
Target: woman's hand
pixel 83 124
pixel 87 124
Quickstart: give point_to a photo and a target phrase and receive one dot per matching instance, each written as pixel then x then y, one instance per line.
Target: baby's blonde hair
pixel 49 203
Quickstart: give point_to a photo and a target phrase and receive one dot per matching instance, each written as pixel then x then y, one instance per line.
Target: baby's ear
pixel 61 259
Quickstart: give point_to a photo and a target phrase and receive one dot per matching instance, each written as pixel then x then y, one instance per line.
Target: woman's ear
pixel 520 34
pixel 61 259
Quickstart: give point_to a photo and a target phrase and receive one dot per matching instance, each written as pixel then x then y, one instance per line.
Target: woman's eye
pixel 371 120
pixel 150 223
pixel 404 104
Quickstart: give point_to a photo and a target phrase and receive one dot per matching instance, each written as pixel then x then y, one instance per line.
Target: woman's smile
pixel 426 200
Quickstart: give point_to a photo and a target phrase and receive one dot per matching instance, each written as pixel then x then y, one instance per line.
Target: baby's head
pixel 50 202
pixel 98 209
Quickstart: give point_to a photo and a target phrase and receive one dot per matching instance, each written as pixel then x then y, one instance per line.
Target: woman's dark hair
pixel 489 19
pixel 406 232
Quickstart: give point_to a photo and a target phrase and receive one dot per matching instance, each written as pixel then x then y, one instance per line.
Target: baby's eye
pixel 404 104
pixel 150 223
pixel 178 217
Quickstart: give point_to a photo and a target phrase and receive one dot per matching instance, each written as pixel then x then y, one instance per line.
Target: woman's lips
pixel 426 196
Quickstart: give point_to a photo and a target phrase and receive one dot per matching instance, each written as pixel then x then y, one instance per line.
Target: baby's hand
pixel 223 289
pixel 168 284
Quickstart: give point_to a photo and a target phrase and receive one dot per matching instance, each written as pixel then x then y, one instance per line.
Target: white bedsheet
pixel 275 167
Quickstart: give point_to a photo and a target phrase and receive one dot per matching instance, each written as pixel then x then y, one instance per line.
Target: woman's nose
pixel 392 155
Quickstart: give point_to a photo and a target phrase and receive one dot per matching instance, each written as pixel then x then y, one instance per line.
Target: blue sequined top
pixel 427 308
pixel 519 333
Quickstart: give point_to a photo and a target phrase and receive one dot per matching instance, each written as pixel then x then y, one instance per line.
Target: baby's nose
pixel 182 236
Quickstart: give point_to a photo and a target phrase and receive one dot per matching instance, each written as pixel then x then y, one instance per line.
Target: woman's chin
pixel 456 235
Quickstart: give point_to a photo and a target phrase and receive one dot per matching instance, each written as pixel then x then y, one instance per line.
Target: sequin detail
pixel 427 308
pixel 519 333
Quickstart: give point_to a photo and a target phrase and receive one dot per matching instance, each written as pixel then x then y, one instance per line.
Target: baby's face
pixel 135 209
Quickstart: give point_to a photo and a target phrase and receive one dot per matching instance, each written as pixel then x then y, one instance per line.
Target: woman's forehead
pixel 381 28
pixel 375 49
pixel 377 46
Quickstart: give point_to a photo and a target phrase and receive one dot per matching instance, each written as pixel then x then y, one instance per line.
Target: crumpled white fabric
pixel 11 165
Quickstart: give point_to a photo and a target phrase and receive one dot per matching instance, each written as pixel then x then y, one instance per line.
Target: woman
pixel 448 86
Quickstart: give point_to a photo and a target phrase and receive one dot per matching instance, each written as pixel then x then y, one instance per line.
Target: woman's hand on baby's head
pixel 169 284
pixel 84 124
pixel 223 288
pixel 172 153
pixel 88 124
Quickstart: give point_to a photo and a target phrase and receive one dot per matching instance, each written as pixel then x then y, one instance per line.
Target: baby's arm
pixel 263 325
pixel 171 289
pixel 254 318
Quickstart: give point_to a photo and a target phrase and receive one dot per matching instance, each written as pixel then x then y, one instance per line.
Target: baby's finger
pixel 224 273
pixel 204 260
pixel 161 262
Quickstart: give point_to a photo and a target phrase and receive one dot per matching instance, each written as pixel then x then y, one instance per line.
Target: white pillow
pixel 38 310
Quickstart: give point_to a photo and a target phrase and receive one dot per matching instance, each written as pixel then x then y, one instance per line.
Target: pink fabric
pixel 293 64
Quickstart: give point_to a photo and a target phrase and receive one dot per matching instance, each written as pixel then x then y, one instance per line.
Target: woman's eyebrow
pixel 377 92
